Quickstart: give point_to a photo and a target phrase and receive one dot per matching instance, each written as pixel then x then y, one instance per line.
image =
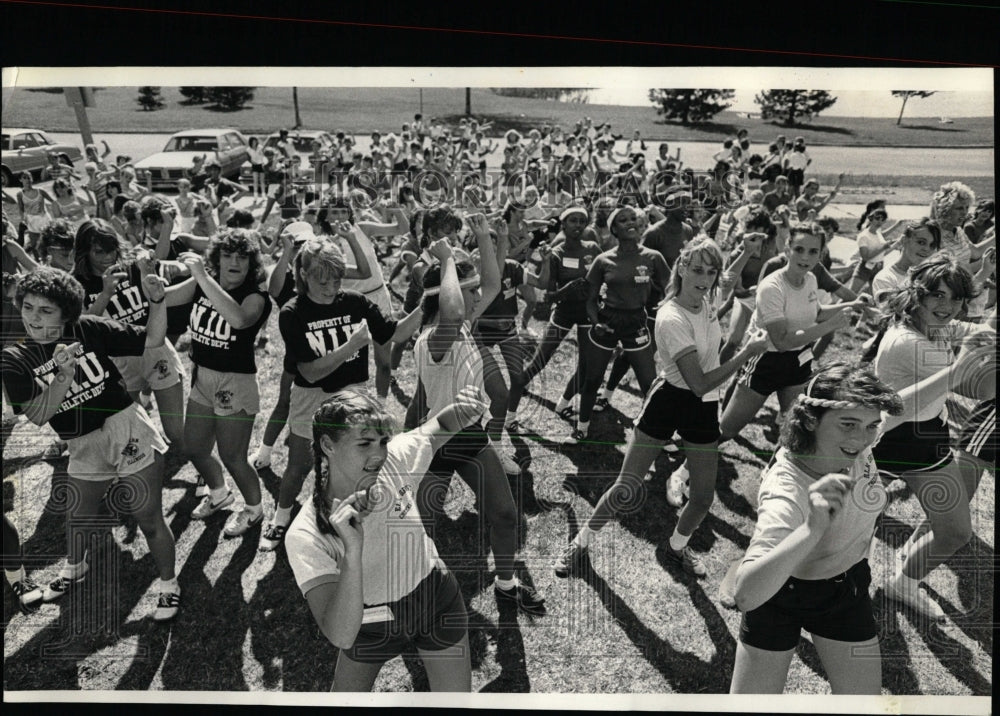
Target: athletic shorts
pixel 432 617
pixel 913 447
pixel 494 331
pixel 668 409
pixel 156 369
pixel 303 405
pixel 772 371
pixel 126 443
pixel 796 177
pixel 460 450
pixel 569 314
pixel 838 608
pixel 225 393
pixel 629 329
pixel 979 436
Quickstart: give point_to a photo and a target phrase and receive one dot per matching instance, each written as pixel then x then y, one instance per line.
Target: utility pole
pixel 79 98
pixel 468 101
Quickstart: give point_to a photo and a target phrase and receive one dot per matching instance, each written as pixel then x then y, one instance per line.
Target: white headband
pixel 464 283
pixel 569 211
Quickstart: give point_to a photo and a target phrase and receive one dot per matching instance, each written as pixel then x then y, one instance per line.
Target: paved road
pixel 826 160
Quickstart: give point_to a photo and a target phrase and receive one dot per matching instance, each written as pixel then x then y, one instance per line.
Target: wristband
pixel 160 301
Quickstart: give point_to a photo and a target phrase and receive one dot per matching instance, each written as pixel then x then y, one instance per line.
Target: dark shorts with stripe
pixel 629 329
pixel 979 436
pixel 772 371
pixel 913 447
pixel 668 408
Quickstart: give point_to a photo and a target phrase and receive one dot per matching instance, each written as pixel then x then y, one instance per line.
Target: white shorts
pixel 126 444
pixel 157 368
pixel 225 393
pixel 303 405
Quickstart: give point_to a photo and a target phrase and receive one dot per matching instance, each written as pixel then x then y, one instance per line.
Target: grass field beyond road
pixel 361 110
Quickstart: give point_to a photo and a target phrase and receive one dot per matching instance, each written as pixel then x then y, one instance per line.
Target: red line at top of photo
pixel 496 33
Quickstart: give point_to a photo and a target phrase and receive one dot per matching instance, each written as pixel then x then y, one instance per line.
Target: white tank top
pixel 461 366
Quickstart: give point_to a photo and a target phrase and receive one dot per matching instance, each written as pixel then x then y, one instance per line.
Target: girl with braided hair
pixel 807 563
pixel 369 598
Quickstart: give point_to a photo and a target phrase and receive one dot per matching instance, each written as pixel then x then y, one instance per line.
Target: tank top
pixel 461 366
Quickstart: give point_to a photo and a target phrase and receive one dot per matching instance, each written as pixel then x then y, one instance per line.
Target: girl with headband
pixel 568 265
pixel 807 563
pixel 449 360
pixel 619 283
pixel 684 398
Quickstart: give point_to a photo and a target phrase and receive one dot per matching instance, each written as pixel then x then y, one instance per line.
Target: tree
pixel 559 94
pixel 149 99
pixel 195 95
pixel 468 101
pixel 906 94
pixel 295 101
pixel 231 98
pixel 690 105
pixel 791 104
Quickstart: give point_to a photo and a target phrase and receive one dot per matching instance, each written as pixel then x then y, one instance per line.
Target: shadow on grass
pixel 721 128
pixel 931 128
pixel 799 126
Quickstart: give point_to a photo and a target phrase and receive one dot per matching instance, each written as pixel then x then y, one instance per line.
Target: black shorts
pixel 432 617
pixel 462 449
pixel 630 329
pixel 839 608
pixel 494 331
pixel 567 314
pixel 979 436
pixel 796 177
pixel 913 447
pixel 772 371
pixel 668 409
pixel 257 168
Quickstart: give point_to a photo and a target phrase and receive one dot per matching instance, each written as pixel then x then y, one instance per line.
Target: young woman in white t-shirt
pixel 787 307
pixel 684 398
pixel 807 563
pixel 922 336
pixel 448 360
pixel 872 246
pixel 369 598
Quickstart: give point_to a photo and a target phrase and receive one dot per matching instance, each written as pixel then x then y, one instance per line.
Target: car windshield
pixel 192 144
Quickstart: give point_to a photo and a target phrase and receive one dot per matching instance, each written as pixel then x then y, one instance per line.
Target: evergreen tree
pixel 790 105
pixel 195 95
pixel 230 98
pixel 690 105
pixel 149 99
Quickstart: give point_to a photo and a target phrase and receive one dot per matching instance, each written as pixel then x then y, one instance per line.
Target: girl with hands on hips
pixel 807 563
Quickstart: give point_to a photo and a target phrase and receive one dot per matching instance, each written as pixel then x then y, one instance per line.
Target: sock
pixel 584 536
pixel 511 417
pixel 583 426
pixel 283 516
pixel 73 571
pixel 170 586
pixel 678 541
pixel 608 394
pixel 562 404
pixel 255 509
pixel 219 494
pixel 264 451
pixel 14 576
pixel 505 583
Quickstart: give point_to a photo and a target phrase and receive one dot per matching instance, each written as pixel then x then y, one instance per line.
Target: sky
pixel 850 103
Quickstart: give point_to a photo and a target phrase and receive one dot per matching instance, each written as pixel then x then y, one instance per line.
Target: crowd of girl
pixel 634 270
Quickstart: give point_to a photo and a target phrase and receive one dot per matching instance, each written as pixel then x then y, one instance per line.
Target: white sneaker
pixel 510 466
pixel 242 522
pixel 677 485
pixel 901 590
pixel 201 488
pixel 167 606
pixel 259 462
pixel 207 508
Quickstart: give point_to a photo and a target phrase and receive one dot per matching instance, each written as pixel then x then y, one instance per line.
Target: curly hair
pixel 131 210
pixel 948 195
pixel 440 220
pixel 101 233
pixel 56 286
pixel 760 220
pixel 57 233
pixel 151 209
pixel 236 241
pixel 338 414
pixel 838 386
pixel 321 254
pixel 924 279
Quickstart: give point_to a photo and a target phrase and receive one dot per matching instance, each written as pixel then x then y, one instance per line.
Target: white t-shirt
pixel 777 299
pixel 397 553
pixel 461 366
pixel 797 160
pixel 677 331
pixel 887 281
pixel 872 241
pixel 783 505
pixel 905 357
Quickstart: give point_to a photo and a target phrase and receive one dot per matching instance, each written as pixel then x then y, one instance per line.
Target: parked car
pixel 302 143
pixel 27 150
pixel 228 146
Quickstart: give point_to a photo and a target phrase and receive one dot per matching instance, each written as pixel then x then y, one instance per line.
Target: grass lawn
pixel 353 110
pixel 632 624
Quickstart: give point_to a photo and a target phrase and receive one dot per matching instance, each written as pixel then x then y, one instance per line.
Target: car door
pixel 237 153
